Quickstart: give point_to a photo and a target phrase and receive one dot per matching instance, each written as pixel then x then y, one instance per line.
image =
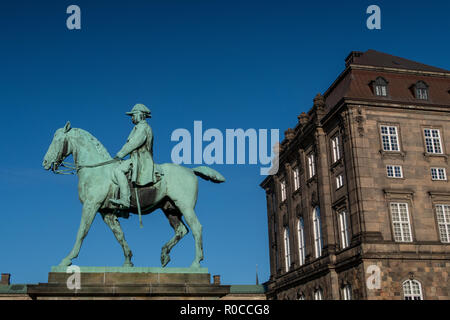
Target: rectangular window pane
pixel 283 190
pixel 438 174
pixel 400 222
pixel 433 141
pixel 443 219
pixel 389 138
pixel 394 171
pixel 296 178
pixel 336 149
pixel 311 165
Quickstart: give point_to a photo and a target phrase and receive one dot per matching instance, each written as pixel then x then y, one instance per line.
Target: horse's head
pixel 58 150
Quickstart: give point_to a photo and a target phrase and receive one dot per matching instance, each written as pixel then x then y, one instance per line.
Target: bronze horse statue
pixel 176 192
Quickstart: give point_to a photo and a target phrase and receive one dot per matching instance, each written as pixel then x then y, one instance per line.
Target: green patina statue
pixel 106 184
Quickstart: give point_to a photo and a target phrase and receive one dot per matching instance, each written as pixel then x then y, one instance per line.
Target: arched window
pixel 318 294
pixel 421 90
pixel 317 232
pixel 379 87
pixel 346 292
pixel 287 249
pixel 301 240
pixel 412 290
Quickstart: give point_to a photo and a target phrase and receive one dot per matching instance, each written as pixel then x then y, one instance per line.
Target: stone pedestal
pixel 130 283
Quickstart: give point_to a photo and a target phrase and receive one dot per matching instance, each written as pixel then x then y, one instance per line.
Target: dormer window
pixel 421 90
pixel 380 87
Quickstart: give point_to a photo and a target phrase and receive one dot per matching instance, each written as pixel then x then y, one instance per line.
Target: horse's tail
pixel 208 174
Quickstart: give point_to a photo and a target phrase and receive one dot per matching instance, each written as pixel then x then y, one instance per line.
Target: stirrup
pixel 120 203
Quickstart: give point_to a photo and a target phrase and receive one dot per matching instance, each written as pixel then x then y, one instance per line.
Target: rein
pixel 72 168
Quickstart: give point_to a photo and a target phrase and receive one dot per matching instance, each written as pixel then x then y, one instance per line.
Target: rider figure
pixel 140 147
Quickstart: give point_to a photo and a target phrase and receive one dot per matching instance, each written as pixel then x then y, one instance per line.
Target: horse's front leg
pixel 87 217
pixel 113 223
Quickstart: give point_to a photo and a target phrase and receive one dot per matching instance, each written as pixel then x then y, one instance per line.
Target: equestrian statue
pixel 115 187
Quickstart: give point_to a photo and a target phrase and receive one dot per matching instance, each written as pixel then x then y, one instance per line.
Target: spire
pixel 257 281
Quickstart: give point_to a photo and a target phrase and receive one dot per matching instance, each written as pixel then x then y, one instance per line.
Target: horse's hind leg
pixel 113 223
pixel 196 228
pixel 180 229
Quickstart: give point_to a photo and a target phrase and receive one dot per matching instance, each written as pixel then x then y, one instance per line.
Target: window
pixel 296 178
pixel 335 147
pixel 287 249
pixel 344 230
pixel 394 171
pixel 433 141
pixel 438 174
pixel 274 203
pixel 317 233
pixel 412 290
pixel 421 90
pixel 276 245
pixel 283 190
pixel 339 181
pixel 389 138
pixel 400 222
pixel 346 292
pixel 318 294
pixel 443 220
pixel 301 240
pixel 380 87
pixel 311 165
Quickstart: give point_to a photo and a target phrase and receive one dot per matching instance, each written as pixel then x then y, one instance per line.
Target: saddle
pixel 146 194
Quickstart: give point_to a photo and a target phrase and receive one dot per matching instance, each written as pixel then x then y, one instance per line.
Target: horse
pixel 175 193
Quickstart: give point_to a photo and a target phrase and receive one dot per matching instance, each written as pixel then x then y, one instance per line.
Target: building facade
pixel 360 206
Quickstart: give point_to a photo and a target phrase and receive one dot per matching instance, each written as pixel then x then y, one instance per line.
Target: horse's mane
pixel 97 144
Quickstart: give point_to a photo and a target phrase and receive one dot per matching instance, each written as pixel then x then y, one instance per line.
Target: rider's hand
pixel 117 158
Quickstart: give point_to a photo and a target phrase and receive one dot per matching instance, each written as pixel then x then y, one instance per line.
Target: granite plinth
pixel 130 283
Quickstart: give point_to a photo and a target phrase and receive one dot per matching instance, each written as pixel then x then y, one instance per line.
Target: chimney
pixel 350 58
pixel 6 279
pixel 216 279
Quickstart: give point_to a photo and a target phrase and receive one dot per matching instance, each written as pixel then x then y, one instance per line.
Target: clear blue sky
pixel 231 64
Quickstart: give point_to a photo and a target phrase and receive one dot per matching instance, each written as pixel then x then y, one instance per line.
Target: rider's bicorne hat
pixel 140 108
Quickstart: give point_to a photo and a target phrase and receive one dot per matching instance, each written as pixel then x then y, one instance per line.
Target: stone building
pixel 360 207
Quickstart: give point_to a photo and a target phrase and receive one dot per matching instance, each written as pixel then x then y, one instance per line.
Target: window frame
pixel 287 249
pixel 412 295
pixel 421 88
pixel 339 181
pixel 311 165
pixel 394 176
pixel 432 144
pixel 336 148
pixel 296 173
pixel 380 83
pixel 446 223
pixel 346 292
pixel 344 229
pixel 301 240
pixel 318 294
pixel 389 136
pixel 393 223
pixel 437 174
pixel 283 190
pixel 317 233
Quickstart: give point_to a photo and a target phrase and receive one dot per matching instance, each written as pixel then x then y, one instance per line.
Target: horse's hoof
pixel 128 264
pixel 165 260
pixel 195 265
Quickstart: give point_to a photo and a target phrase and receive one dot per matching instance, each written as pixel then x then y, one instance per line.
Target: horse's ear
pixel 67 127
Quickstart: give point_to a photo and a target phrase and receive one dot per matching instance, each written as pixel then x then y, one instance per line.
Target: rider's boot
pixel 124 201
